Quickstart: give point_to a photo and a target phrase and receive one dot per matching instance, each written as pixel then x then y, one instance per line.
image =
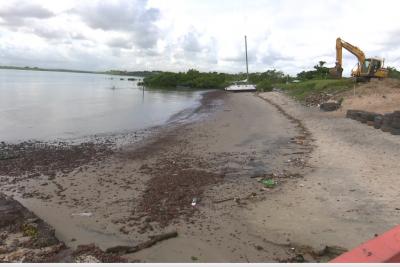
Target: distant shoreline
pixel 110 72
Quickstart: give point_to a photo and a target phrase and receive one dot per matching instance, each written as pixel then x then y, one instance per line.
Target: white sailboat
pixel 242 86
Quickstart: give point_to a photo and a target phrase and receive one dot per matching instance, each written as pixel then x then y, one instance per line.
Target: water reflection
pixel 43 105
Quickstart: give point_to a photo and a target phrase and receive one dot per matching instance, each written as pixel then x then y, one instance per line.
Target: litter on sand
pixel 83 214
pixel 268 183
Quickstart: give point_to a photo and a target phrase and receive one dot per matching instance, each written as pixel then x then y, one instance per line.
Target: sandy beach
pixel 328 194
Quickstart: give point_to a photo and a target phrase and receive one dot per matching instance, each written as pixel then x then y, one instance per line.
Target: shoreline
pixel 265 174
pixel 72 157
pixel 186 151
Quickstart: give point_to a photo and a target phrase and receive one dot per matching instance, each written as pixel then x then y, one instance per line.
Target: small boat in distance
pixel 242 86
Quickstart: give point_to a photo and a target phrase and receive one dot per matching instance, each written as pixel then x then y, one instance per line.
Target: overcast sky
pixel 208 35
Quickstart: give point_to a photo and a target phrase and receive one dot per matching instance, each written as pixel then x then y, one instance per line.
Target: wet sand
pixel 147 188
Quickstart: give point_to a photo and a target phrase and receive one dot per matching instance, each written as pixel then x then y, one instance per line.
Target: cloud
pixel 195 50
pixel 51 33
pixel 239 56
pixel 208 35
pixel 273 57
pixel 120 42
pixel 190 42
pixel 131 17
pixel 17 13
pixel 391 40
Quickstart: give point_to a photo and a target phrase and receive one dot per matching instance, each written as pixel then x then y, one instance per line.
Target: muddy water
pixel 48 105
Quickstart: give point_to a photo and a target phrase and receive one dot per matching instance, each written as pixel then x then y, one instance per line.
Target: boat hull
pixel 241 88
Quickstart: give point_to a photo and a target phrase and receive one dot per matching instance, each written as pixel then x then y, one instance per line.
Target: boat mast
pixel 247 64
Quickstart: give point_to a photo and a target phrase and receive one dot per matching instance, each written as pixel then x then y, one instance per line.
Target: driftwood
pixel 235 198
pixel 120 250
pixel 223 200
pixel 138 217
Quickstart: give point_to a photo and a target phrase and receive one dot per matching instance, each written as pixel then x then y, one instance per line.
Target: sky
pixel 208 35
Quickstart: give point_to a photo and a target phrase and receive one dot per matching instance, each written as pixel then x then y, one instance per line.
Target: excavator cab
pixel 370 68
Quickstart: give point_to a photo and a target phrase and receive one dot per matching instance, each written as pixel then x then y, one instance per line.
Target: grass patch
pixel 30 230
pixel 393 73
pixel 303 89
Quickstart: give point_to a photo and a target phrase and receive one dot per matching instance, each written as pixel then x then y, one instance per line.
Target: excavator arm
pixel 349 47
pixel 357 52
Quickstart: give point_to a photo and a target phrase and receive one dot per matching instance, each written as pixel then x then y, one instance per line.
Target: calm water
pixel 49 105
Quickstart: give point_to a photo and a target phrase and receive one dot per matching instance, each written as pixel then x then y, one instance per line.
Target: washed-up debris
pixel 82 214
pixel 298 162
pixel 40 158
pixel 120 250
pixel 330 106
pixel 92 254
pixel 194 201
pixel 24 236
pixel 224 200
pixel 236 199
pixel 309 254
pixel 317 99
pixel 268 183
pixel 278 175
pixel 167 196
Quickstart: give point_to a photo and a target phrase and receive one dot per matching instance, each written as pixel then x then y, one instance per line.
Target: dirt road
pixel 352 193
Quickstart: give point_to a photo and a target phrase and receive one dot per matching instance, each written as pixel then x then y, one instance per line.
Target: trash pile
pixel 316 99
pixel 330 106
pixel 174 191
pixel 389 122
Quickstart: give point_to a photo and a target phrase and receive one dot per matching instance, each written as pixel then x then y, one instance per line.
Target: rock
pixel 92 253
pixel 395 131
pixel 329 106
pixel 386 128
pixel 378 121
pixel 358 115
pixel 11 212
pixel 368 116
pixel 258 247
pixel 351 113
pixel 386 122
pixel 396 122
pixel 87 259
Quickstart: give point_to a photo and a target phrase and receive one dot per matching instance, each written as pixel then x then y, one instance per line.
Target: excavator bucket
pixel 336 72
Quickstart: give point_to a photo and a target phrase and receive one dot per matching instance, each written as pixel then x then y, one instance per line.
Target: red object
pixel 384 248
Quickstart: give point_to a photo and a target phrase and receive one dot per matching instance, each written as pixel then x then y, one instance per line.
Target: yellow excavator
pixel 366 68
